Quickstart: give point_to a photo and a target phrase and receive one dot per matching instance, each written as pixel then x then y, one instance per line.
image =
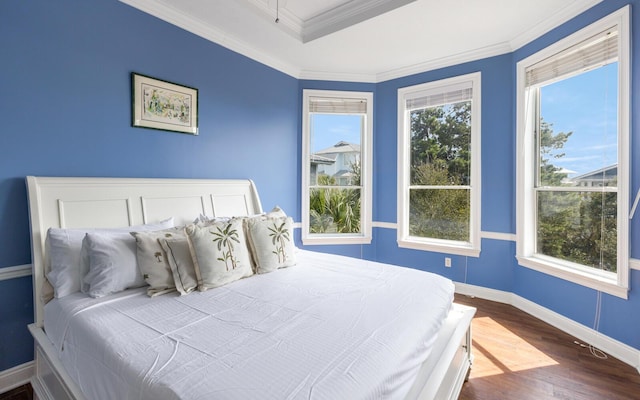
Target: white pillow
pixel 112 263
pixel 178 255
pixel 271 243
pixel 152 259
pixel 219 251
pixel 66 269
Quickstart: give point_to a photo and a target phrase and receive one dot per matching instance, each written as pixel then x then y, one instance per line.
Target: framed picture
pixel 159 104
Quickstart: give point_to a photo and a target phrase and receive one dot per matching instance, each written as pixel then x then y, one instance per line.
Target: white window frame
pixel 526 157
pixel 366 168
pixel 473 246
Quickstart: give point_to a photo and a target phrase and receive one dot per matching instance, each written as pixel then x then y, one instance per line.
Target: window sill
pixel 606 283
pixel 457 248
pixel 330 240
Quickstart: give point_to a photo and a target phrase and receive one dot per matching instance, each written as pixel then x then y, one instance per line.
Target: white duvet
pixel 330 328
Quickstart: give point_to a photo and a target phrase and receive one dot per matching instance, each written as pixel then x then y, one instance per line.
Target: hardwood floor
pixel 23 392
pixel 520 357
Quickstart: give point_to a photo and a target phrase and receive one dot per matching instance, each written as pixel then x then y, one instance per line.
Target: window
pixel 336 167
pixel 439 166
pixel 573 160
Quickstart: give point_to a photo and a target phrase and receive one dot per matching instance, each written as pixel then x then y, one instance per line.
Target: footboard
pixel 441 376
pixel 448 366
pixel 50 380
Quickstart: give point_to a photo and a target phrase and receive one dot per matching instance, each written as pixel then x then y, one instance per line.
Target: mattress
pixel 330 327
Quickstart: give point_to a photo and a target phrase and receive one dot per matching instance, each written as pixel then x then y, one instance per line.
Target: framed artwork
pixel 159 104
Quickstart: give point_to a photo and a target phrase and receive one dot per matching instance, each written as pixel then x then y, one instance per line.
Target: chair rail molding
pixel 17 271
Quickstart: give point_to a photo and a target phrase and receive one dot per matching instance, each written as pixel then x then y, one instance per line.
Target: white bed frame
pixel 115 202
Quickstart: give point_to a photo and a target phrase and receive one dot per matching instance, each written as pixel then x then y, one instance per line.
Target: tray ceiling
pixel 365 40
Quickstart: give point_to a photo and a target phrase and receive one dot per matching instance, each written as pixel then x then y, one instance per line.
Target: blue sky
pixel 587 106
pixel 329 129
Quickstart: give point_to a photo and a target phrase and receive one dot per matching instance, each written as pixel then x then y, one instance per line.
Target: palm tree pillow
pixel 176 250
pixel 220 253
pixel 271 243
pixel 152 259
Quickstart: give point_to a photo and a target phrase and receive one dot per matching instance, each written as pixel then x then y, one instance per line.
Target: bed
pixel 324 328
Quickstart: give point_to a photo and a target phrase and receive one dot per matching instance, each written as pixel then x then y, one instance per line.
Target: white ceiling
pixel 365 40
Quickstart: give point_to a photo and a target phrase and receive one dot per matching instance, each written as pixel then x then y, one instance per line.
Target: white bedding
pixel 330 327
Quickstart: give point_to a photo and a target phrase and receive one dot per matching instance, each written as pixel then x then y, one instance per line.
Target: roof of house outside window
pixel 606 174
pixel 340 147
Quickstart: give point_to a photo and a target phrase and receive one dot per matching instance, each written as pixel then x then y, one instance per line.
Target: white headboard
pixel 117 202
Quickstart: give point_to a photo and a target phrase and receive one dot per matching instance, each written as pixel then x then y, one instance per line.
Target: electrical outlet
pixel 447 262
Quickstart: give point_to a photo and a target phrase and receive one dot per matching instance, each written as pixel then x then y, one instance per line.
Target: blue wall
pixel 65 101
pixel 65 97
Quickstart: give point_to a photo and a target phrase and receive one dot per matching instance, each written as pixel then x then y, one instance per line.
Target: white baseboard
pixel 617 349
pixel 499 296
pixel 16 376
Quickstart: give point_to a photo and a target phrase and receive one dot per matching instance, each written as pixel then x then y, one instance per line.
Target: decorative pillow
pixel 64 249
pixel 46 293
pixel 152 261
pixel 177 252
pixel 204 220
pixel 112 263
pixel 219 251
pixel 271 243
pixel 276 212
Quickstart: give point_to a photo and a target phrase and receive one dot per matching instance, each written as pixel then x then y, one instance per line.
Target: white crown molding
pixel 15 272
pixel 341 77
pixel 179 19
pixel 175 17
pixel 345 15
pixel 473 55
pixel 571 11
pixel 356 9
pixel 617 349
pixel 17 376
pixel 478 54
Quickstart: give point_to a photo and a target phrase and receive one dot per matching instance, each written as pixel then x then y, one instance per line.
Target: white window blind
pixel 440 96
pixel 597 51
pixel 329 105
